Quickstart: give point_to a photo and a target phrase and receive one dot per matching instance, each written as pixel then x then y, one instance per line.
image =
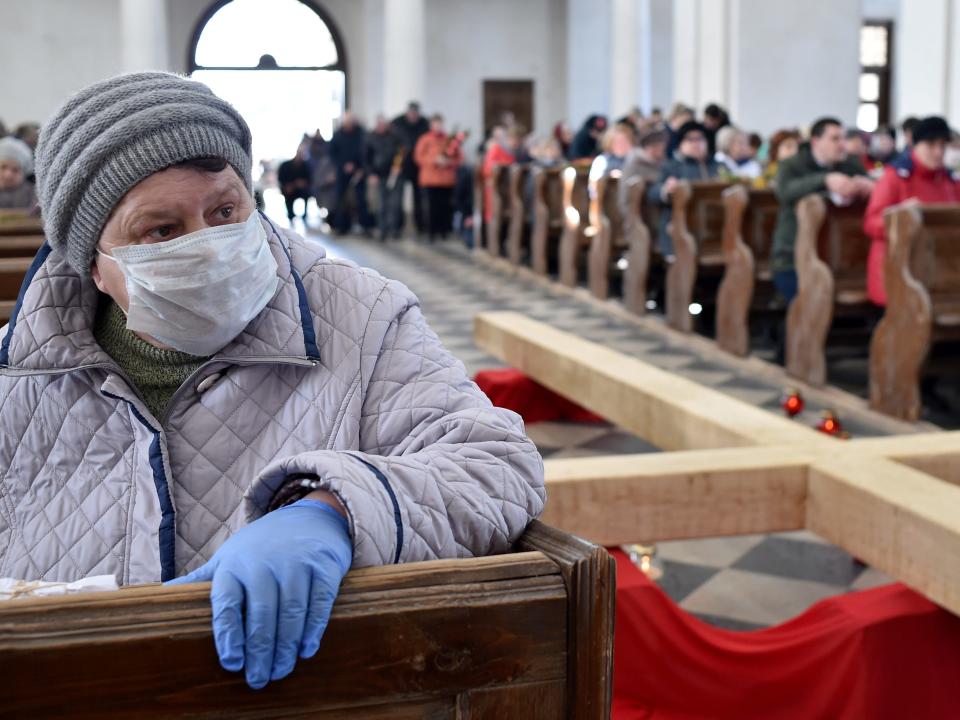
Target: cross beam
pixel 734 468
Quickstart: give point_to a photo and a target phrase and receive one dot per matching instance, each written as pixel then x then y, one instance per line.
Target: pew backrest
pixel 548 213
pixel 525 635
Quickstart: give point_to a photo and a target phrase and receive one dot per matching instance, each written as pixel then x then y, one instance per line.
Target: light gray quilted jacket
pixel 339 376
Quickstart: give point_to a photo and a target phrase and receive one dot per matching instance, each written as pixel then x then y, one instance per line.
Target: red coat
pixel 901 181
pixel 496 155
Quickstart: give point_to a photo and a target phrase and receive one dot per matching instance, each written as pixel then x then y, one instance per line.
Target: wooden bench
pixel 749 219
pixel 497 183
pixel 640 252
pixel 517 230
pixel 696 230
pixel 922 278
pixel 548 220
pixel 830 256
pixel 14 246
pixel 617 230
pixel 527 635
pixel 576 221
pixel 16 222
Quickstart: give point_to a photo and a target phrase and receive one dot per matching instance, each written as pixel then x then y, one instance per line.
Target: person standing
pixel 347 154
pixel 384 160
pixel 438 155
pixel 410 127
pixel 294 177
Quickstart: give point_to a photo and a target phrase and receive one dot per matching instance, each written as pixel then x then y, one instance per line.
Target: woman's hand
pixel 274 583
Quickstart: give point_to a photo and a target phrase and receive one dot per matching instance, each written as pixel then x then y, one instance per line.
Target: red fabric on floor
pixel 875 654
pixel 511 389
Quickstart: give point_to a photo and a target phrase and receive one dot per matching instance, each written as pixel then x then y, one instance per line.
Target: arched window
pixel 281 63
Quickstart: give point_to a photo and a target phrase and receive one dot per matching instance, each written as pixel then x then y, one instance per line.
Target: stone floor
pixel 744 582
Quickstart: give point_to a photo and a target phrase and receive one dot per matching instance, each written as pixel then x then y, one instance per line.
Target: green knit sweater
pixel 156 373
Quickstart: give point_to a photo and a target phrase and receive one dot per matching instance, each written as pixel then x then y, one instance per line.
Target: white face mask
pixel 198 292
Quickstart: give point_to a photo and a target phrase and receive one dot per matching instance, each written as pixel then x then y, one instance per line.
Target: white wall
pixel 50 50
pixel 661 54
pixel 796 61
pixel 470 41
pixel 589 59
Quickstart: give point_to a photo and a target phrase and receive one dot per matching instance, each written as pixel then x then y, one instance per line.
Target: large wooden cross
pixel 731 468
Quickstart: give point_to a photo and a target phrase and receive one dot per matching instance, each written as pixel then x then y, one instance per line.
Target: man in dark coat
pixel 384 158
pixel 586 143
pixel 294 177
pixel 347 154
pixel 820 166
pixel 408 128
pixel 690 162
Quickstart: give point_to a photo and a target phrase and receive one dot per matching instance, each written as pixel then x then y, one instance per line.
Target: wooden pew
pixel 605 232
pixel 922 278
pixel 12 271
pixel 548 220
pixel 576 221
pixel 17 222
pixel 517 231
pixel 497 184
pixel 696 229
pixel 14 246
pixel 749 219
pixel 615 227
pixel 479 225
pixel 636 231
pixel 831 260
pixel 527 635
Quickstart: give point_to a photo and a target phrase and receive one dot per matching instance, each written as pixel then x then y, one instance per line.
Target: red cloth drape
pixel 511 389
pixel 875 654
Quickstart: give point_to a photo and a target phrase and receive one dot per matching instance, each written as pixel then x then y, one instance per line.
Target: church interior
pixel 482 359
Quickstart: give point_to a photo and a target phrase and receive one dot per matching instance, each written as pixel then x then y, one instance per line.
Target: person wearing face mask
pixel 16 164
pixel 921 176
pixel 191 394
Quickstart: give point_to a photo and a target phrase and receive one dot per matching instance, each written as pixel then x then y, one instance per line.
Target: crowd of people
pixel 844 163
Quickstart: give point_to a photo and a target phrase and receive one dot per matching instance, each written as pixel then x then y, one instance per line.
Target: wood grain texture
pixel 736 289
pixel 18 222
pixel 15 246
pixel 665 409
pixel 667 496
pixel 517 228
pixel 898 520
pixel 576 220
pixel 548 216
pixel 693 229
pixel 589 573
pixel 606 233
pixel 497 182
pixel 830 259
pixel 639 249
pixel 922 279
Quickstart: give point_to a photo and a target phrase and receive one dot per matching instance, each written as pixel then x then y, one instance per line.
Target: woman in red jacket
pixel 921 175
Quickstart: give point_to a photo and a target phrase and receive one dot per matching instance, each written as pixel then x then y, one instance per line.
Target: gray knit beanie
pixel 117 132
pixel 17 150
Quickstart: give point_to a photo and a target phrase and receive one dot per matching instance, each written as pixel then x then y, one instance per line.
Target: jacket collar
pixel 51 327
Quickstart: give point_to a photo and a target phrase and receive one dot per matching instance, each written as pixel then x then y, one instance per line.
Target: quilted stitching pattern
pixel 71 458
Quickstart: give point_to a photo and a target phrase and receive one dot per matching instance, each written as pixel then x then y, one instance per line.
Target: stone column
pixel 143 29
pixel 404 54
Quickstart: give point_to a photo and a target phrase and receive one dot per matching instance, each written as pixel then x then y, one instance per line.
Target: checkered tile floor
pixel 741 583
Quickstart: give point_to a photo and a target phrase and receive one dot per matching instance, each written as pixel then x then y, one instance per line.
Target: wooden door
pixel 507 96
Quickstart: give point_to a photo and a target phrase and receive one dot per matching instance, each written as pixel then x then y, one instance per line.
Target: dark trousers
pixel 351 195
pixel 389 214
pixel 439 201
pixel 419 216
pixel 785 281
pixel 292 197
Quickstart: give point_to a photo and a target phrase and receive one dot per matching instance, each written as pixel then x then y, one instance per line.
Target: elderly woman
pixel 187 389
pixel 16 164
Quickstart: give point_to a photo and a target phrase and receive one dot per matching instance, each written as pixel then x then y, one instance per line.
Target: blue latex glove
pixel 288 566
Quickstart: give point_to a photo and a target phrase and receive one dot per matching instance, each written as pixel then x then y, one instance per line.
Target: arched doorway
pixel 281 63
